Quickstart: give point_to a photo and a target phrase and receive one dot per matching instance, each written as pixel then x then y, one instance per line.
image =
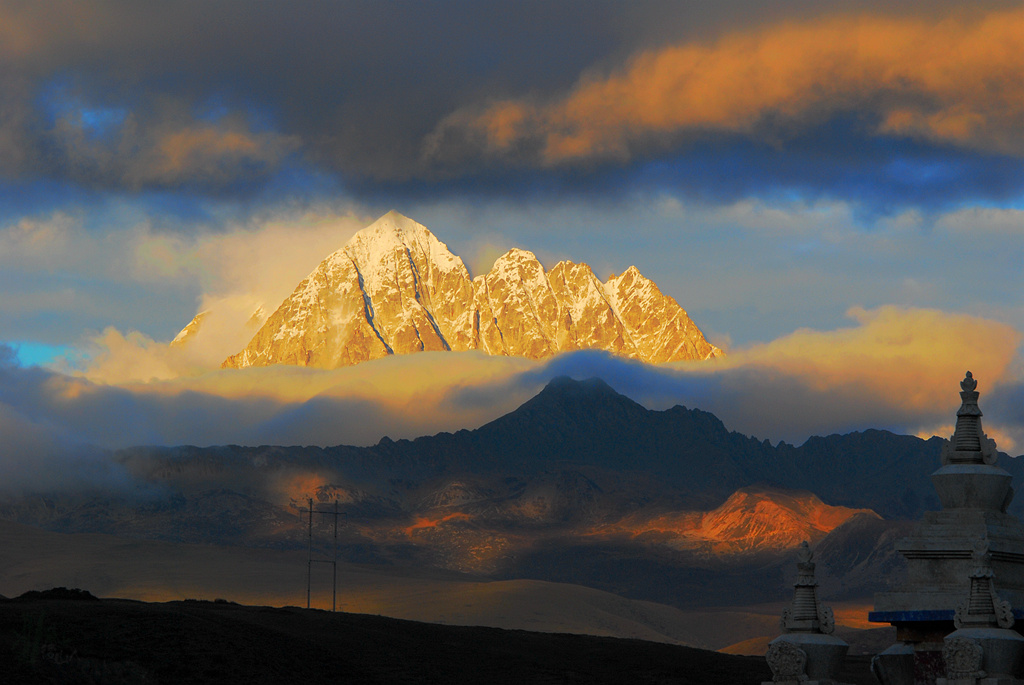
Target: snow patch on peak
pixel 632 274
pixel 628 277
pixel 568 267
pixel 396 232
pixel 386 233
pixel 394 288
pixel 259 316
pixel 396 222
pixel 190 330
pixel 516 255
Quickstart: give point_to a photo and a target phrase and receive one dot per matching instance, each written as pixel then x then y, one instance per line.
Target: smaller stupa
pixel 983 650
pixel 806 653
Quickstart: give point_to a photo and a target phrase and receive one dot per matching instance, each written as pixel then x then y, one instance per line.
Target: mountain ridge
pixel 394 288
pixel 580 484
pixel 588 423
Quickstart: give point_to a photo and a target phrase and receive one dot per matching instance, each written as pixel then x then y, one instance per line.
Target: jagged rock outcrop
pixel 189 331
pixel 394 288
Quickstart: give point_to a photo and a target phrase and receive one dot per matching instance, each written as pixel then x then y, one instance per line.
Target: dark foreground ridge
pixel 55 637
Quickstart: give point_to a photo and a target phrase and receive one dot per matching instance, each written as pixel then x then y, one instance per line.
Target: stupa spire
pixel 806 614
pixel 806 653
pixel 967 437
pixel 969 444
pixel 983 608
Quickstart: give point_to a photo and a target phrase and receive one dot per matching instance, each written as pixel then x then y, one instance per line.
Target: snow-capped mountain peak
pixel 394 288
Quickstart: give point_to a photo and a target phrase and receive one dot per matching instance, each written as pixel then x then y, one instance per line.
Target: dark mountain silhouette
pixel 572 424
pixel 586 425
pixel 578 453
pixel 859 557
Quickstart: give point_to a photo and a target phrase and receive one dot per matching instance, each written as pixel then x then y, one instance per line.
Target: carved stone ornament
pixel 961 613
pixel 1004 615
pixel 804 554
pixel 787 661
pixel 989 453
pixel 826 619
pixel 963 658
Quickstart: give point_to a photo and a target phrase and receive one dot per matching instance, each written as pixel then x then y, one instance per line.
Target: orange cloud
pixel 168 146
pixel 124 358
pixel 19 35
pixel 211 152
pixel 957 79
pixel 244 272
pixel 1005 440
pixel 402 396
pixel 902 356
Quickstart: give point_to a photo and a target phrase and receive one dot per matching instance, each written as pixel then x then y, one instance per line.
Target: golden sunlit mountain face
pixel 395 289
pixel 751 521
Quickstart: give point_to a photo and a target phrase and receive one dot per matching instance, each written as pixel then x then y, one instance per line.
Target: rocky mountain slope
pixel 753 520
pixel 394 288
pixel 579 485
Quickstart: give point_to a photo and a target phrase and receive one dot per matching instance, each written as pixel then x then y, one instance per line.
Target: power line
pixel 311 560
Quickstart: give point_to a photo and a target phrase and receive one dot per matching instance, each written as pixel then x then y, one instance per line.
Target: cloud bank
pixel 896 369
pixel 955 80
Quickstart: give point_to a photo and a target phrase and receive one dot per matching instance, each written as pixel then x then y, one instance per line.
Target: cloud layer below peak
pixel 894 368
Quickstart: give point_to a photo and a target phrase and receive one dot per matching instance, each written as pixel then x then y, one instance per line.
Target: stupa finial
pixel 969 444
pixel 968 384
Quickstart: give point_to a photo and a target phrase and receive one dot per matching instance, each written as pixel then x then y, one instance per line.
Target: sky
pixel 834 191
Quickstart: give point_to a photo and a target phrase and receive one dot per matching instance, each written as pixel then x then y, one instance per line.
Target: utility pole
pixel 311 560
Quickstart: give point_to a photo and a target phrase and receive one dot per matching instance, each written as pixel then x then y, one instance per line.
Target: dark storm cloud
pixel 215 97
pixel 121 94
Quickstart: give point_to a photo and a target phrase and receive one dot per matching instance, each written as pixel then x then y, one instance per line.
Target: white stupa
pixel 940 553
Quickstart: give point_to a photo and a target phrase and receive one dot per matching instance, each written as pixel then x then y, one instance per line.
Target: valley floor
pixel 154 571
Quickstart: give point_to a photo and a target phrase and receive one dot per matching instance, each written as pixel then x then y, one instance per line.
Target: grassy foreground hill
pixel 70 637
pixel 67 636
